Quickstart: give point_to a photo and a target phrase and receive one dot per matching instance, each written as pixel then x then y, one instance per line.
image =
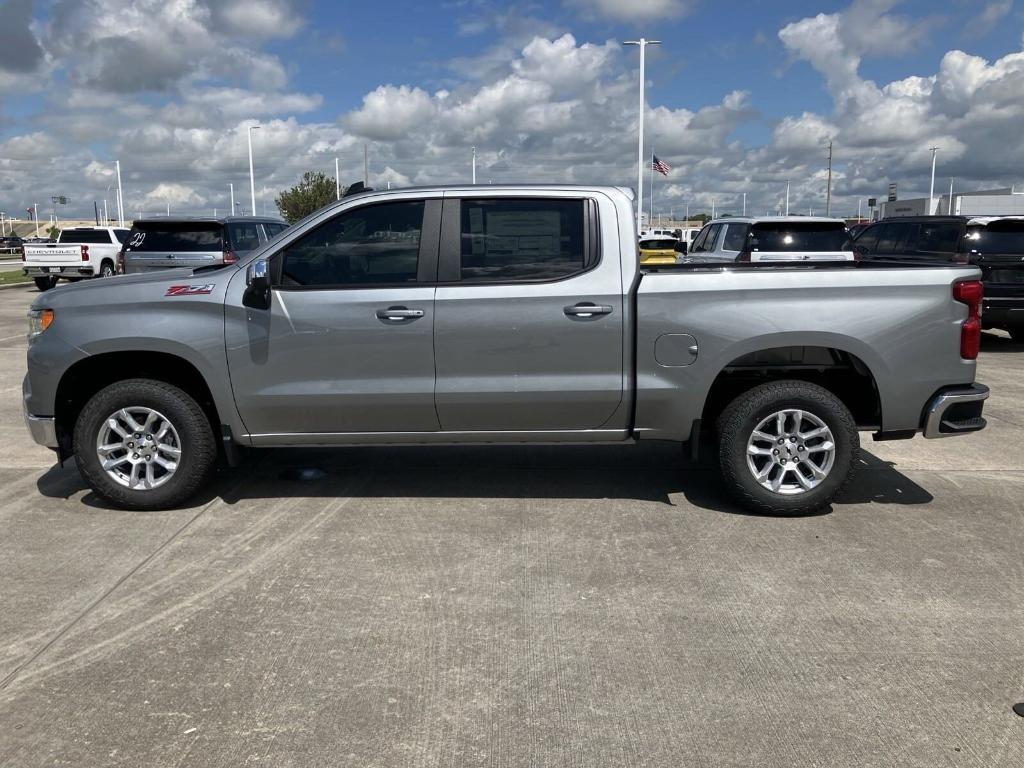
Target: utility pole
pixel 931 193
pixel 828 190
pixel 366 166
pixel 337 181
pixel 120 196
pixel 252 177
pixel 642 43
pixel 787 197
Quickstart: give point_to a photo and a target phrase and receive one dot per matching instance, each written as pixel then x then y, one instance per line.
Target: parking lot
pixel 577 606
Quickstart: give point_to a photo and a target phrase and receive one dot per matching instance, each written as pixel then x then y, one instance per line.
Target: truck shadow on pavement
pixel 992 341
pixel 651 472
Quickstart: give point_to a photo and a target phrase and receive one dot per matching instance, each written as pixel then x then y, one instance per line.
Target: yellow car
pixel 660 250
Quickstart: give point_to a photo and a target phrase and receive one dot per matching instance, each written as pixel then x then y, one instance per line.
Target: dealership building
pixel 988 202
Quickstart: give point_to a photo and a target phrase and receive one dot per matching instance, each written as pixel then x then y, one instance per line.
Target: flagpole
pixel 650 221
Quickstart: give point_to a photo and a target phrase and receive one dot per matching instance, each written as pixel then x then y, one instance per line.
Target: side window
pixel 711 239
pixel 868 239
pixel 938 239
pixel 244 237
pixel 371 245
pixel 698 240
pixel 890 239
pixel 511 240
pixel 735 237
pixel 120 236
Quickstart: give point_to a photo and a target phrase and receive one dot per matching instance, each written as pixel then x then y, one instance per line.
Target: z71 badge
pixel 189 290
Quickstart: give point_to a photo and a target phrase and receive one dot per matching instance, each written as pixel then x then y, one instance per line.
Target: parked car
pixel 80 252
pixel 498 314
pixel 659 249
pixel 772 238
pixel 995 244
pixel 167 243
pixel 10 244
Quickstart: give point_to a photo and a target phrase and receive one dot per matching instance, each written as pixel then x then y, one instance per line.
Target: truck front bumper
pixel 955 411
pixel 42 428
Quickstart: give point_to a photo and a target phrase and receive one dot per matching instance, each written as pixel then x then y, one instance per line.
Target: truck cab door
pixel 529 320
pixel 346 345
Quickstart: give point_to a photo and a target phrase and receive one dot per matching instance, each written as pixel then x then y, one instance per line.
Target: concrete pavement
pixel 516 607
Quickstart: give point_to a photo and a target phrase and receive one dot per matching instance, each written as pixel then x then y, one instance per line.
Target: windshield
pixel 87 236
pixel 658 245
pixel 786 237
pixel 998 237
pixel 187 237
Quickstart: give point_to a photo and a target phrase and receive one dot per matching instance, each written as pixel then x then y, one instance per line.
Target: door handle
pixel 586 309
pixel 398 314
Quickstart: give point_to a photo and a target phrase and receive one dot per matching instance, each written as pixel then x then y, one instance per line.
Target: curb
pixel 8 286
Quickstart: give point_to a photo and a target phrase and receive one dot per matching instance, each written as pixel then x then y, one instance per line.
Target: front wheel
pixel 45 283
pixel 787 447
pixel 144 444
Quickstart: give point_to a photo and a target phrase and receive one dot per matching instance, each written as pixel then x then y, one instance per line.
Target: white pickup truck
pixel 79 252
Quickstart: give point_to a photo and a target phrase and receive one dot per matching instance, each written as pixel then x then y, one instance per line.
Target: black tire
pixel 45 283
pixel 198 446
pixel 107 268
pixel 742 416
pixel 1016 333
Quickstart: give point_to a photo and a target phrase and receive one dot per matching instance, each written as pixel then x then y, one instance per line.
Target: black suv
pixel 993 243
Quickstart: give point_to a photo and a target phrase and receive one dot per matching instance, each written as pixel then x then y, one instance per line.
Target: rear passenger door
pixel 528 327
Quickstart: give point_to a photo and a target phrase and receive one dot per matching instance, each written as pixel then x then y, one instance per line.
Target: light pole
pixel 787 197
pixel 744 203
pixel 252 178
pixel 642 43
pixel 231 186
pixel 3 228
pixel 950 197
pixel 828 188
pixel 337 181
pixel 474 165
pixel 35 216
pixel 120 196
pixel 931 193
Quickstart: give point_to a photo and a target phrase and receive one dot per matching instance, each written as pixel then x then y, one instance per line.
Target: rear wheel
pixel 144 444
pixel 45 283
pixel 787 447
pixel 107 268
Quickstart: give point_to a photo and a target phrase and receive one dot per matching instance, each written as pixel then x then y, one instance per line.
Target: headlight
pixel 38 321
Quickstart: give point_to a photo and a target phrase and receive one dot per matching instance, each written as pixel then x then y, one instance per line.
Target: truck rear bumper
pixel 955 411
pixel 58 270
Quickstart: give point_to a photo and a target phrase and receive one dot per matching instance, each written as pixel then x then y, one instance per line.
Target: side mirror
pixel 681 246
pixel 257 281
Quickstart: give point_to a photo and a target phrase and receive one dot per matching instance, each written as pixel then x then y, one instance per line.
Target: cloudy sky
pixel 742 95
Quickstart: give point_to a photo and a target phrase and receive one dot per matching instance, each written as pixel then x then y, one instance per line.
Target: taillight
pixel 120 262
pixel 85 252
pixel 230 257
pixel 23 253
pixel 969 292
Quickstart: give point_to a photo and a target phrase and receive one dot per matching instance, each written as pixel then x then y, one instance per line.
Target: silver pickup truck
pixel 498 315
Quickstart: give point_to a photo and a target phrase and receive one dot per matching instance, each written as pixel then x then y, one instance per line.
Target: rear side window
pixel 182 238
pixel 999 237
pixel 121 235
pixel 510 240
pixel 273 230
pixel 244 236
pixel 735 237
pixel 938 239
pixel 372 245
pixel 792 237
pixel 707 243
pixel 87 236
pixel 868 239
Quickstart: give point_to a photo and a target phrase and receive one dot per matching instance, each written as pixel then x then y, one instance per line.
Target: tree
pixel 313 192
pixel 53 233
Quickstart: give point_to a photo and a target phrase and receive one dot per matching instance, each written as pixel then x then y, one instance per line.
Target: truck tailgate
pixel 53 254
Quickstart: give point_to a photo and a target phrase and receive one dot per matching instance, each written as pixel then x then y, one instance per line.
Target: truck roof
pixel 207 219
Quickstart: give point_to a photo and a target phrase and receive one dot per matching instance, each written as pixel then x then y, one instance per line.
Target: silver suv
pixel 772 238
pixel 166 243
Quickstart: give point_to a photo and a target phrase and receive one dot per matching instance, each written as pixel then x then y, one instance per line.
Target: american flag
pixel 660 166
